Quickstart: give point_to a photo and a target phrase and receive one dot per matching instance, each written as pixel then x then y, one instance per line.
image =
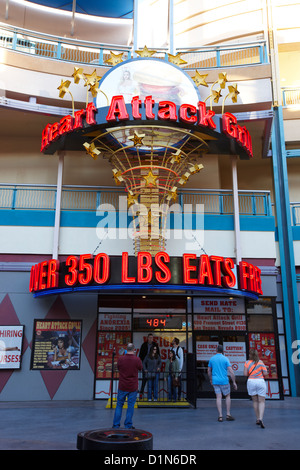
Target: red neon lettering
pixel 66 125
pixel 43 274
pixel 54 131
pixel 205 117
pixel 135 104
pixel 188 113
pixel 53 276
pixel 229 280
pixel 205 271
pixel 187 268
pixel 149 102
pixel 165 270
pixel 125 277
pixel 217 269
pixel 104 258
pixel 85 277
pixel 34 278
pixel 91 110
pixel 228 125
pixel 144 261
pixel 117 109
pixel 78 115
pixel 45 137
pixel 168 112
pixel 258 280
pixel 72 277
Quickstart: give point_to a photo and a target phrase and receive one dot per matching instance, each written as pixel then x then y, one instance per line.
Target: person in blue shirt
pixel 218 370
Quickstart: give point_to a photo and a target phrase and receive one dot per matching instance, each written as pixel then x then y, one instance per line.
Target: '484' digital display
pixel 159 322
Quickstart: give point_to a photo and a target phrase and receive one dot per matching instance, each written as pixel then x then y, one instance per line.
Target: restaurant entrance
pixel 205 344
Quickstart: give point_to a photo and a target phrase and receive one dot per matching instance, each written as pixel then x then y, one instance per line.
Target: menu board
pixel 56 345
pixel 264 343
pixel 110 346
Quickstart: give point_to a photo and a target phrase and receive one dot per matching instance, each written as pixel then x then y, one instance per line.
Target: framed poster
pixel 11 341
pixel 56 345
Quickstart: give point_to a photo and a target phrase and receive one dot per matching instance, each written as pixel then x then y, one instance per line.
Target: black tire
pixel 115 439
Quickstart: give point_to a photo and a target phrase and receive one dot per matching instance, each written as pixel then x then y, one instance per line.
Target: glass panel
pixel 114 304
pixel 261 306
pixel 114 322
pixel 218 305
pixel 265 346
pixel 260 323
pixel 160 304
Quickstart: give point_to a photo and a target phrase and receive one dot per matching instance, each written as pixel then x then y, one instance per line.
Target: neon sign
pixel 189 270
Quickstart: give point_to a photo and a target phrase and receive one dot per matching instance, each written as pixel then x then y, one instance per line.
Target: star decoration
pixel 64 88
pixel 145 52
pixel 91 150
pixel 94 90
pixel 216 94
pixel 184 178
pixel 114 59
pixel 150 179
pixel 117 176
pixel 233 92
pixel 172 195
pixel 200 79
pixel 137 139
pixel 176 59
pixel 132 199
pixel 91 78
pixel 176 157
pixel 195 169
pixel 222 79
pixel 78 74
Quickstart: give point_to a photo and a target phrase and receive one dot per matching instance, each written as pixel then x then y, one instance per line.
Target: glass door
pixel 205 345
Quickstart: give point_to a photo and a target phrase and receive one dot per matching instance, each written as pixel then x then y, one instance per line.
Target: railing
pixel 291 96
pixel 83 52
pixel 295 208
pixel 79 198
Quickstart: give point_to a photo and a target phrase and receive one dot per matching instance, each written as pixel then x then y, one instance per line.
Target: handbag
pixel 175 381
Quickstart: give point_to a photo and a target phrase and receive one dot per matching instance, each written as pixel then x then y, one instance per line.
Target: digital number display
pixel 159 322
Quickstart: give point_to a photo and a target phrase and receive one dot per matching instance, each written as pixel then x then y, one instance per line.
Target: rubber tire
pixel 115 439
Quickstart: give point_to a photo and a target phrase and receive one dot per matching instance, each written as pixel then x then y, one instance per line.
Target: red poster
pixel 109 347
pixel 264 343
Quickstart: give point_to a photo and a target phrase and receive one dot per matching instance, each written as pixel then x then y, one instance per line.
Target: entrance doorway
pixel 205 345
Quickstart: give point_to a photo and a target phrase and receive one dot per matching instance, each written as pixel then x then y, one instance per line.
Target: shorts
pixel 256 387
pixel 225 389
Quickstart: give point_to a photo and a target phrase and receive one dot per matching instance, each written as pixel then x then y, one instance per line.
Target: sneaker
pixel 149 399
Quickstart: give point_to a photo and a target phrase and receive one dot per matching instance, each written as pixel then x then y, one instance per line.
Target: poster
pixel 205 350
pixel 110 346
pixel 56 345
pixel 220 322
pixel 236 353
pixel 219 305
pixel 264 343
pixel 11 340
pixel 114 322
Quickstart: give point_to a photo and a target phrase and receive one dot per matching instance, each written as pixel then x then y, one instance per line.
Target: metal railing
pixel 80 198
pixel 84 52
pixel 291 96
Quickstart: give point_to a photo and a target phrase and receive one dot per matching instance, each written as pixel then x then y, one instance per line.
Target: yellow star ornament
pixel 64 88
pixel 91 150
pixel 200 79
pixel 114 59
pixel 145 52
pixel 150 179
pixel 176 59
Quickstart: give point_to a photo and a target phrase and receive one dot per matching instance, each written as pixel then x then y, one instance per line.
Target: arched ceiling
pixel 106 8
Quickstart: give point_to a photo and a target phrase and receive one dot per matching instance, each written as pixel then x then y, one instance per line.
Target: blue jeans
pixel 131 399
pixel 172 391
pixel 153 387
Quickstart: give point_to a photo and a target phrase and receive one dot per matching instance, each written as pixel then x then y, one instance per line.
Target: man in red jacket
pixel 128 366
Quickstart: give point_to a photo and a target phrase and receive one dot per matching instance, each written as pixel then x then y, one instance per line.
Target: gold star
pixel 77 74
pixel 132 199
pixel 172 194
pixel 176 59
pixel 137 139
pixel 117 176
pixel 114 59
pixel 91 78
pixel 184 178
pixel 64 88
pixel 94 90
pixel 200 79
pixel 195 169
pixel 233 92
pixel 150 179
pixel 222 79
pixel 145 52
pixel 176 157
pixel 91 150
pixel 216 94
